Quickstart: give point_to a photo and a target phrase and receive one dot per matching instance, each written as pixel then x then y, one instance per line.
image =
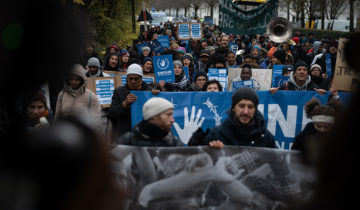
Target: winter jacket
pixel 147 134
pixel 121 117
pixel 81 101
pixel 291 84
pixel 231 132
pixel 300 139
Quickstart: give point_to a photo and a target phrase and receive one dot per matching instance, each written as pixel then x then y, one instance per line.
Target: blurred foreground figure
pixel 65 166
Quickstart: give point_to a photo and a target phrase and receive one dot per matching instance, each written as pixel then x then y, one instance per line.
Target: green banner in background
pixel 234 20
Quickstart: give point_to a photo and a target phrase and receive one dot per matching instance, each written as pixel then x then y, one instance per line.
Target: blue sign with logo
pixel 139 47
pixel 164 41
pixel 233 46
pixel 156 46
pixel 164 68
pixel 279 80
pixel 244 83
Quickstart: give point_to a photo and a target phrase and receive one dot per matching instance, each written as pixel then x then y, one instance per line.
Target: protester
pixel 212 86
pixel 317 78
pixel 287 69
pixel 217 60
pixel 245 125
pixel 188 62
pixel 223 48
pixel 245 75
pixel 34 109
pixel 256 54
pixel 250 61
pixel 89 52
pixel 120 112
pixel 204 63
pixel 93 65
pixel 124 60
pixel 231 60
pixel 148 66
pixel 146 52
pixel 155 128
pixel 200 79
pixel 181 81
pixel 112 62
pixel 75 98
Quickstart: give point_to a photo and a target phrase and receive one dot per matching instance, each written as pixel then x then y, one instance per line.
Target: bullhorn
pixel 279 29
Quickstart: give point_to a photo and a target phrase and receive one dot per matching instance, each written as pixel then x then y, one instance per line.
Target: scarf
pixel 180 81
pixel 98 74
pixel 151 130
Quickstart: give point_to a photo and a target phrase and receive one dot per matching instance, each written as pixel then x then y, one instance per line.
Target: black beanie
pixel 301 63
pixel 200 73
pixel 281 55
pixel 244 93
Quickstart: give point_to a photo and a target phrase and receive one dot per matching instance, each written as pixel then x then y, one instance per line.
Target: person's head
pixel 35 106
pixel 287 69
pixel 218 41
pixel 224 41
pixel 178 68
pixel 134 76
pixel 301 72
pixel 333 46
pixel 187 59
pixel 113 60
pixel 125 56
pixel 93 65
pixel 147 65
pixel 159 112
pixel 90 48
pixel 204 56
pixel 231 58
pixel 113 49
pixel 218 60
pixel 255 51
pixel 315 70
pixel 203 43
pixel 200 79
pixel 212 86
pixel 246 72
pixel 248 59
pixel 146 51
pixel 244 105
pixel 322 116
pixel 278 57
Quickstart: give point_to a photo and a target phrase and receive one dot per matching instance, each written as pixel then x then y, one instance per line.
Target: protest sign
pixel 233 47
pixel 156 46
pixel 263 76
pixel 279 80
pixel 277 71
pixel 164 68
pixel 103 87
pixel 195 31
pixel 147 78
pixel 164 41
pixel 283 112
pixel 245 83
pixel 204 178
pixel 345 78
pixel 186 70
pixel 219 75
pixel 139 47
pixel 183 31
pixel 328 65
pixel 111 73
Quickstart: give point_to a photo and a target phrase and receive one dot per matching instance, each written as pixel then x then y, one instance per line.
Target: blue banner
pixel 164 68
pixel 146 79
pixel 283 111
pixel 164 41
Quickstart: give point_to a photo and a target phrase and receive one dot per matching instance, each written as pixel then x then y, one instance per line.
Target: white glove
pixel 190 126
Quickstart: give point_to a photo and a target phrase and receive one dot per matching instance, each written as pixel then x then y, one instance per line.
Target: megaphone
pixel 279 30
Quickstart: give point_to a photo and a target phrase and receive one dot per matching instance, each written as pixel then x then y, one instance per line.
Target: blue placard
pixel 219 75
pixel 196 31
pixel 208 20
pixel 156 46
pixel 184 31
pixel 146 79
pixel 164 41
pixel 164 68
pixel 328 65
pixel 244 83
pixel 283 112
pixel 104 90
pixel 139 47
pixel 277 71
pixel 279 80
pixel 233 46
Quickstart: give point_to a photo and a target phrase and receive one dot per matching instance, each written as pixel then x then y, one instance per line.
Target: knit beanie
pixel 124 52
pixel 244 93
pixel 315 66
pixel 155 106
pixel 287 68
pixel 178 63
pixel 93 62
pixel 146 48
pixel 135 69
pixel 280 54
pixel 146 59
pixel 200 73
pixel 36 96
pixel 301 63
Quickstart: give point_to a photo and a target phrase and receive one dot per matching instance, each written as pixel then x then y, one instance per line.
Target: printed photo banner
pixel 263 76
pixel 283 112
pixel 180 178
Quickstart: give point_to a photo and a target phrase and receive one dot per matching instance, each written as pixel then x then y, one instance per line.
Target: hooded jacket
pixel 231 132
pixel 82 100
pixel 291 84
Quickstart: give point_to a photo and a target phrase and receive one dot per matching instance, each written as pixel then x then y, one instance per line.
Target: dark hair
pixel 313 107
pixel 214 81
pixel 248 56
pixel 229 52
pixel 247 66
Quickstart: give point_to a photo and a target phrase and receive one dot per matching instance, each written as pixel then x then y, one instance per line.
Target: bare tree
pixel 334 9
pixel 196 4
pixel 212 4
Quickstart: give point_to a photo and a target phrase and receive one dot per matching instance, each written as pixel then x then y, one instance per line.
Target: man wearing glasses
pixel 120 112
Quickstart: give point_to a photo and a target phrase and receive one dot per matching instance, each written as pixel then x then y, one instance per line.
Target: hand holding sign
pixel 190 126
